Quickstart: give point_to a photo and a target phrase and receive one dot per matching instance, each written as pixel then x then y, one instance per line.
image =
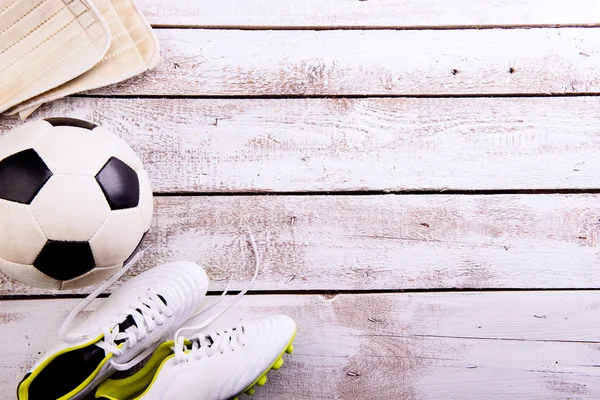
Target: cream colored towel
pixel 133 50
pixel 44 43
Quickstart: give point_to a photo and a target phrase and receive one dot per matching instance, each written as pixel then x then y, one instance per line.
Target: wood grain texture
pixel 380 13
pixel 404 346
pixel 380 242
pixel 393 62
pixel 274 145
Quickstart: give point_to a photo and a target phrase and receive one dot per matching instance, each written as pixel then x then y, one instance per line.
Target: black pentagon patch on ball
pixel 78 123
pixel 64 261
pixel 22 175
pixel 120 184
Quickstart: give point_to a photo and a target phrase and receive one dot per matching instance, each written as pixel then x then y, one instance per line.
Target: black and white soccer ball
pixel 75 203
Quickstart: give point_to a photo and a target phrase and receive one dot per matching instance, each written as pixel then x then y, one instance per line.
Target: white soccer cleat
pixel 212 366
pixel 125 329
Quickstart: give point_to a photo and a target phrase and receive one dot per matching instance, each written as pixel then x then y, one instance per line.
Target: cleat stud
pixel 290 349
pixel 262 380
pixel 250 391
pixel 278 363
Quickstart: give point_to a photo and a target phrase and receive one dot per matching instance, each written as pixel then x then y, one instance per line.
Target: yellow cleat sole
pixel 262 379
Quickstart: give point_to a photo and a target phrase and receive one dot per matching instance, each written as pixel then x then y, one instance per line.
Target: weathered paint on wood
pixel 520 345
pixel 496 345
pixel 393 62
pixel 266 145
pixel 380 242
pixel 373 14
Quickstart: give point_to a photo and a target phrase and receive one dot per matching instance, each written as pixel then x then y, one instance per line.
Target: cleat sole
pixel 262 379
pixel 278 363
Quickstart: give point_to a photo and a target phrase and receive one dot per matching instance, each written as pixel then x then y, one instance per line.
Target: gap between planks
pixel 332 96
pixel 329 294
pixel 372 28
pixel 424 192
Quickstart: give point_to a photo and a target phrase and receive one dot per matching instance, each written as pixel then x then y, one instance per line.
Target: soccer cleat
pixel 125 329
pixel 214 366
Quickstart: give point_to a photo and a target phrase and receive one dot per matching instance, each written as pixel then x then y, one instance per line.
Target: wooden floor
pixel 421 176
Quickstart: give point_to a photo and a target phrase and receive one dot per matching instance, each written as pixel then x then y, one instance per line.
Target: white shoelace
pixel 209 344
pixel 148 312
pixel 152 313
pixel 179 340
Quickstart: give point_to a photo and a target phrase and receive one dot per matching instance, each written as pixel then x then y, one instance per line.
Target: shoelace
pixel 209 344
pixel 179 340
pixel 148 312
pixel 151 309
pixel 73 337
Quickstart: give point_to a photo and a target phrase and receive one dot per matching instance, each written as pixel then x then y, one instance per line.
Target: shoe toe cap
pixel 192 272
pixel 282 328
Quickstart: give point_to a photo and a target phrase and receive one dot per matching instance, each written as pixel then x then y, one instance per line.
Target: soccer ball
pixel 75 203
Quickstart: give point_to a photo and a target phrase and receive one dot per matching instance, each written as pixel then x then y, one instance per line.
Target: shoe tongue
pixel 129 321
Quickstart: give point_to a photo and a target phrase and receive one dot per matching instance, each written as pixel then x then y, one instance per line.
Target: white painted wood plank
pixel 202 145
pixel 372 62
pixel 380 242
pixel 380 13
pixel 524 345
